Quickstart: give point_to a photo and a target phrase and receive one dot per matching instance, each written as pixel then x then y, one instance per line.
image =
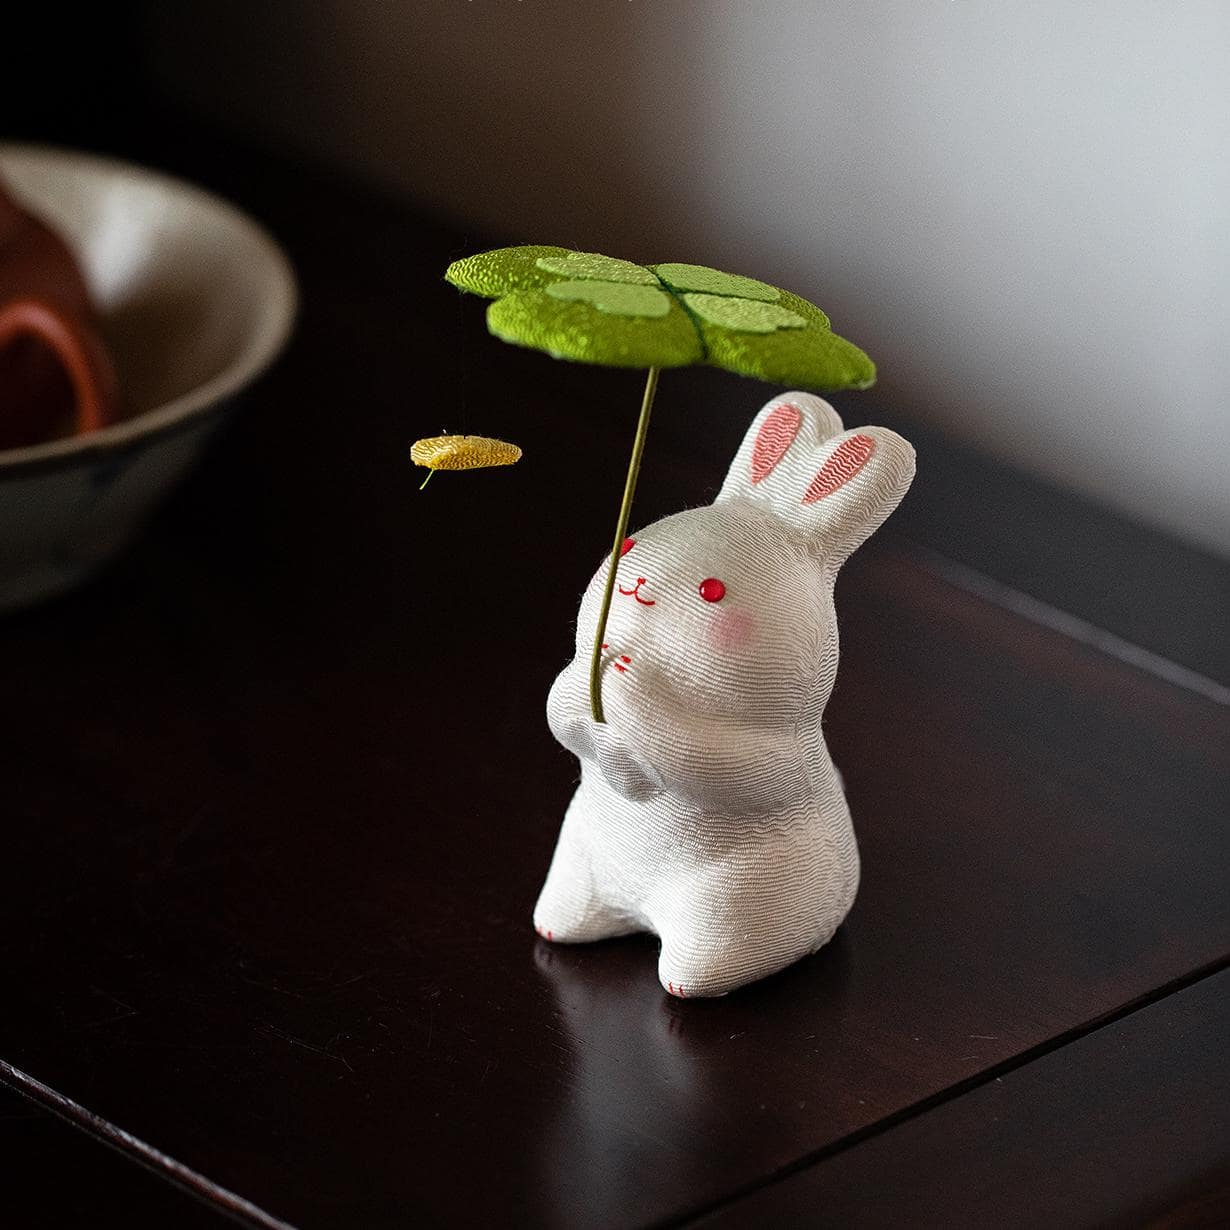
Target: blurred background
pixel 1019 208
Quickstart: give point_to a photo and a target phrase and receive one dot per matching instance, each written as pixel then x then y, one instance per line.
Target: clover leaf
pixel 714 282
pixel 601 268
pixel 615 298
pixel 598 309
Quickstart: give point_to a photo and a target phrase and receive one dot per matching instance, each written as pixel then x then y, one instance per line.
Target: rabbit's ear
pixel 789 426
pixel 833 487
pixel 861 477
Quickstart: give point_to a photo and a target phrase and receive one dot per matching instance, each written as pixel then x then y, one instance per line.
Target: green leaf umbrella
pixel 596 309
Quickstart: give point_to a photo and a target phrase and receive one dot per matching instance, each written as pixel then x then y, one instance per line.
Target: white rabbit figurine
pixel 709 811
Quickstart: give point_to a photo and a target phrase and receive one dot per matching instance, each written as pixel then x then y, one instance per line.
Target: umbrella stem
pixel 621 532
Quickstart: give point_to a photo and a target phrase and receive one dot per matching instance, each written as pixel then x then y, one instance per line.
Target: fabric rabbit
pixel 709 811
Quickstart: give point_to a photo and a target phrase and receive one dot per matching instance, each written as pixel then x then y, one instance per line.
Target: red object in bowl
pixel 56 377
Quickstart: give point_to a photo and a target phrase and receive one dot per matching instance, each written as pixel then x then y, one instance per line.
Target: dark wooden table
pixel 279 795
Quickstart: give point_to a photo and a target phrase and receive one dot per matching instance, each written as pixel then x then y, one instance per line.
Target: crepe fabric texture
pixel 592 308
pixel 709 811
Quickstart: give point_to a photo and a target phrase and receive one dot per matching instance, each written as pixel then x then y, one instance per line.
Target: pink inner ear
pixel 847 459
pixel 774 439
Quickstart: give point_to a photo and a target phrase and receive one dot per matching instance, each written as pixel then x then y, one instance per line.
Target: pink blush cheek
pixel 732 631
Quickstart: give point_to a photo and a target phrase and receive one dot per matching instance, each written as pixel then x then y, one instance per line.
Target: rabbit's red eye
pixel 629 543
pixel 712 590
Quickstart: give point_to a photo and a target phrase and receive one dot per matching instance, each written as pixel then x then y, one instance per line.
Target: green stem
pixel 621 532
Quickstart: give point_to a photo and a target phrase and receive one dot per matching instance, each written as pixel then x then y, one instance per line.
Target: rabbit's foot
pixel 571 908
pixel 570 927
pixel 709 964
pixel 571 911
pixel 688 973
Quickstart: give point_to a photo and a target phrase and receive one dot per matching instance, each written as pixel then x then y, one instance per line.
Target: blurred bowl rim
pixel 211 395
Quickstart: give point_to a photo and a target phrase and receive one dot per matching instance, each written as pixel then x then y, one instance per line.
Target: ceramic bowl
pixel 196 300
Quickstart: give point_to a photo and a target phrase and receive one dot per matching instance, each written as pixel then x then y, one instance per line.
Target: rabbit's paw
pixel 624 771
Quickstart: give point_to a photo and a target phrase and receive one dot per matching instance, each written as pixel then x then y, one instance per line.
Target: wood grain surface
pixel 1125 1127
pixel 56 1176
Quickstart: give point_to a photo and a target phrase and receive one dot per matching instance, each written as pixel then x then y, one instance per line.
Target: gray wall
pixel 1019 208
